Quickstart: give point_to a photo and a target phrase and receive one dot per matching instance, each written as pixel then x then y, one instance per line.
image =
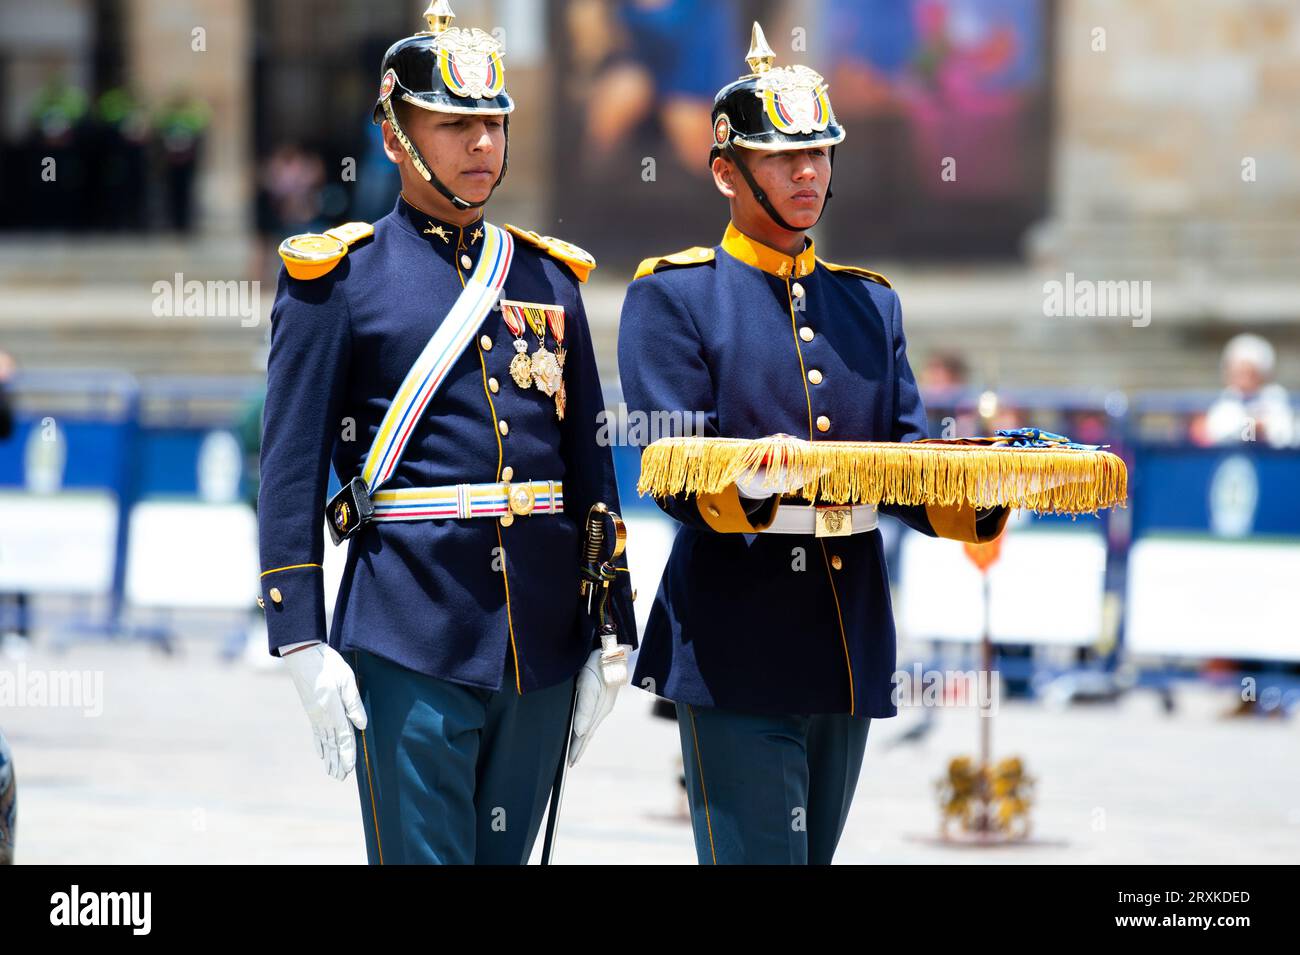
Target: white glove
pixel 761 484
pixel 598 682
pixel 329 694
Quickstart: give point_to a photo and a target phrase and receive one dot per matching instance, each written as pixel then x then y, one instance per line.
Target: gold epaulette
pixel 580 260
pixel 696 255
pixel 854 270
pixel 313 254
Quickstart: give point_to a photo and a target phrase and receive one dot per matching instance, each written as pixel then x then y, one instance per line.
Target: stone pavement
pixel 194 760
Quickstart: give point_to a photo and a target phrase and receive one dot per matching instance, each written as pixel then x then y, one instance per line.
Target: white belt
pixel 823 521
pixel 503 500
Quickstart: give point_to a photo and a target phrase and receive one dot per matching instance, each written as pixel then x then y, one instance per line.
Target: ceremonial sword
pixel 597 574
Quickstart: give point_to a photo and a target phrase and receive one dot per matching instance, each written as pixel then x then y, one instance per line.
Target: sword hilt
pixel 595 532
pixel 598 573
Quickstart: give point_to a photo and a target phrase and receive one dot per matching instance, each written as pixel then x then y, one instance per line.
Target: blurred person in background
pixel 57 142
pixel 293 178
pixel 1252 407
pixel 121 142
pixel 8 782
pixel 289 196
pixel 15 631
pixel 943 380
pixel 377 179
pixel 665 69
pixel 248 431
pixel 181 126
pixel 944 372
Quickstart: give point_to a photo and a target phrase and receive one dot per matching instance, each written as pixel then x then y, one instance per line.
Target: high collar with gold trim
pixel 752 252
pixel 444 237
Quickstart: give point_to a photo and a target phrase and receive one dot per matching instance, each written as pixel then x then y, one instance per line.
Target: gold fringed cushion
pixel 1052 480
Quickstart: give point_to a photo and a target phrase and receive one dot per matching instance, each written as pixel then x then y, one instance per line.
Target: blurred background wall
pixel 994 145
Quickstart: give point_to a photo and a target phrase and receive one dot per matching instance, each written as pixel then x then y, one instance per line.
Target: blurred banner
pixel 946 110
pixel 916 83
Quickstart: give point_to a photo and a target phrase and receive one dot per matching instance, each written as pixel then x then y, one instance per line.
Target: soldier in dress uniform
pixel 772 628
pixel 444 366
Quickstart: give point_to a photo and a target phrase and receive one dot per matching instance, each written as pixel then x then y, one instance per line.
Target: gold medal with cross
pixel 521 366
pixel 547 373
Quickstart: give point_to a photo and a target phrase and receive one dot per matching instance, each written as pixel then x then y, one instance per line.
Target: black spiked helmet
pixel 772 108
pixel 445 69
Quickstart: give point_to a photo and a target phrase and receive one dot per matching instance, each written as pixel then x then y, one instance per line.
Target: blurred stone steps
pixel 38 260
pixel 178 351
pixel 54 316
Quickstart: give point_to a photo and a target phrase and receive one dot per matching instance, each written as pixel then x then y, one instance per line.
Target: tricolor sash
pixel 351 507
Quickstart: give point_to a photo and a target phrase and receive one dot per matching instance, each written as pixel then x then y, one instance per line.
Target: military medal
pixel 543 369
pixel 555 319
pixel 547 372
pixel 521 366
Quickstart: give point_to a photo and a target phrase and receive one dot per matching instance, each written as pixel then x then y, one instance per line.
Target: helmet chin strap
pixel 731 153
pixel 422 167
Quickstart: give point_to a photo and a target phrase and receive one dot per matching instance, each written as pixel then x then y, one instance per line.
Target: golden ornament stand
pixel 989 803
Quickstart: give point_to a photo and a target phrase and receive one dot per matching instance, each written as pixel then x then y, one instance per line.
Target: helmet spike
pixel 439 16
pixel 760 56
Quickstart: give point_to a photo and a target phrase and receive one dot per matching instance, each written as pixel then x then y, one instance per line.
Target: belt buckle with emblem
pixel 833 520
pixel 521 498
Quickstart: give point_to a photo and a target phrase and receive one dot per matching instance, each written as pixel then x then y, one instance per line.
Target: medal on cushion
pixel 521 366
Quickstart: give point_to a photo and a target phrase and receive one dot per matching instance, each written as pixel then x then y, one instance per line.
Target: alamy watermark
pixel 131 910
pixel 1086 298
pixel 640 428
pixel 210 299
pixel 54 689
pixel 955 688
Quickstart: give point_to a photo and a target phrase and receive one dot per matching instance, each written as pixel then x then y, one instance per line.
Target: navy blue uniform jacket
pixel 776 623
pixel 466 600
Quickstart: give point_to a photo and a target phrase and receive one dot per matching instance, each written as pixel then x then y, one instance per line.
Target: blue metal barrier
pixel 76 430
pixel 141 441
pixel 106 431
pixel 1223 509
